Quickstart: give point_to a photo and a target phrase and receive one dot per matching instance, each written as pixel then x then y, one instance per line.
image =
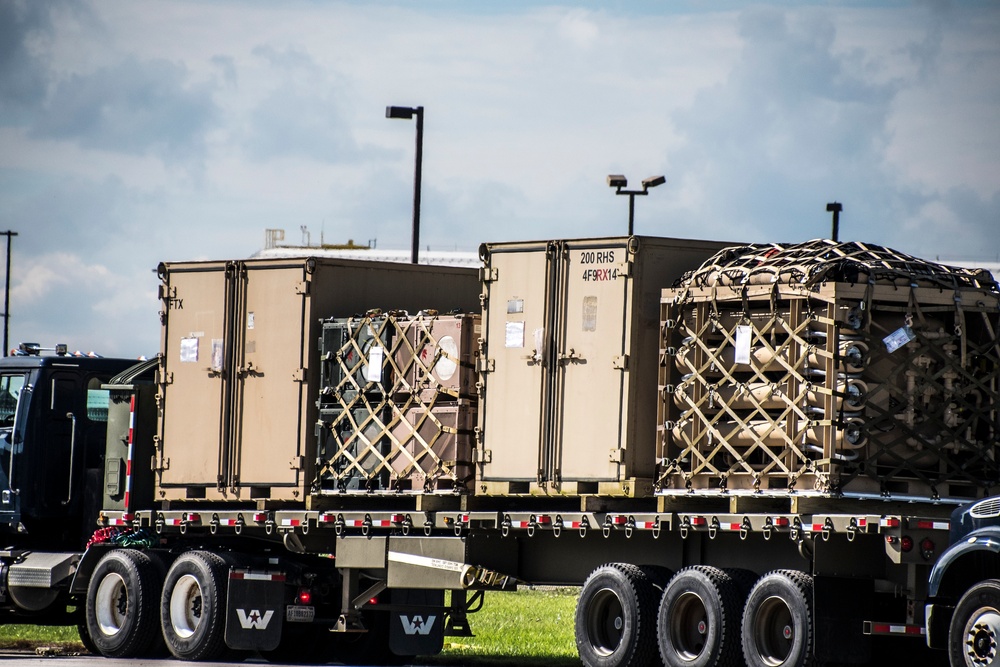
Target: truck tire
pixel 777 623
pixel 192 609
pixel 616 618
pixel 121 615
pixel 975 627
pixel 699 620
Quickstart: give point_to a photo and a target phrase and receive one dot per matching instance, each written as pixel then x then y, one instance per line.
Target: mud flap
pixel 416 623
pixel 839 607
pixel 255 610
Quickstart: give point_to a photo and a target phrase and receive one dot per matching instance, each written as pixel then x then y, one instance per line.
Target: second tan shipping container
pixel 570 367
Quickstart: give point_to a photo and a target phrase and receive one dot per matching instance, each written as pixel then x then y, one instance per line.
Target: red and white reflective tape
pixel 129 453
pixel 925 524
pixel 888 522
pixel 896 629
pixel 731 526
pixel 291 522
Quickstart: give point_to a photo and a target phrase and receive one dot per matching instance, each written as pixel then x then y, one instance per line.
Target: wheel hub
pixel 981 638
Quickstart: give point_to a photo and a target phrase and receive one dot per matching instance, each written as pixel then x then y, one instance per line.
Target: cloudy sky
pixel 142 131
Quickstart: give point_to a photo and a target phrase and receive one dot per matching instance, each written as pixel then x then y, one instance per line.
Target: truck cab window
pixel 10 390
pixel 97 401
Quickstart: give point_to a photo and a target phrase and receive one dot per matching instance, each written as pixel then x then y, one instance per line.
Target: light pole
pixel 6 295
pixel 410 112
pixel 620 183
pixel 835 208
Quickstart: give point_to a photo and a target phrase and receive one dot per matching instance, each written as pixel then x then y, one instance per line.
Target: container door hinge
pixel 302 287
pixel 297 463
pixel 488 275
pixel 484 456
pixel 620 361
pixel 625 270
pixel 166 377
pixel 487 365
pixel 299 375
pixel 162 464
pixel 617 455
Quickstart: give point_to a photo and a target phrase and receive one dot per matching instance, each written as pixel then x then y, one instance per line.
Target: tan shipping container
pixel 240 371
pixel 570 364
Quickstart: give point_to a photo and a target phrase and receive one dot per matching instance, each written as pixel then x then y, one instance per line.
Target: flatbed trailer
pixel 596 428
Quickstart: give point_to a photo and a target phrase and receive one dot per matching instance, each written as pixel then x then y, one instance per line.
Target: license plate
pixel 296 613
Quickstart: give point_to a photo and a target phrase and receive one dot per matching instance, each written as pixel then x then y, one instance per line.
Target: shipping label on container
pixel 898 339
pixel 514 334
pixel 217 355
pixel 375 358
pixel 189 350
pixel 743 332
pixel 590 313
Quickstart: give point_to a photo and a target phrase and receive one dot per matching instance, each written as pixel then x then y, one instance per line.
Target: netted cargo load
pixel 397 404
pixel 830 368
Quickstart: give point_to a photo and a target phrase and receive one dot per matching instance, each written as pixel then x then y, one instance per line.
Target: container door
pixel 590 379
pixel 518 350
pixel 271 377
pixel 195 345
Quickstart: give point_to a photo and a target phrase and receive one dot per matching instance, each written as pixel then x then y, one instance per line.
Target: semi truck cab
pixel 53 425
pixel 963 609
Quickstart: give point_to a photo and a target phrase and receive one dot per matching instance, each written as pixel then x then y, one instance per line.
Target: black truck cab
pixel 53 425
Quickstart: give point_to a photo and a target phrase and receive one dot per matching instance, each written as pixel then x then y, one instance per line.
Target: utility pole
pixel 835 208
pixel 6 296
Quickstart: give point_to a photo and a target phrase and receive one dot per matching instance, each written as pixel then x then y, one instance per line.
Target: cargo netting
pixel 397 405
pixel 823 260
pixel 819 382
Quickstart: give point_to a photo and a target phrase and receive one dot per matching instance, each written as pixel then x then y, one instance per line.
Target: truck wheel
pixel 778 621
pixel 699 620
pixel 616 618
pixel 121 616
pixel 974 634
pixel 192 609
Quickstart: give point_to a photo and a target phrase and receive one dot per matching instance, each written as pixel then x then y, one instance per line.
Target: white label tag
pixel 743 335
pixel 375 357
pixel 514 334
pixel 898 339
pixel 189 350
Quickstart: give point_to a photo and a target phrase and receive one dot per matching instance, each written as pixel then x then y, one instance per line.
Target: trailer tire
pixel 975 627
pixel 699 620
pixel 192 608
pixel 616 618
pixel 121 617
pixel 777 623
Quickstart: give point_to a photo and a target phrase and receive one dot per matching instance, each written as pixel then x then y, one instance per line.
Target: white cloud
pixel 154 130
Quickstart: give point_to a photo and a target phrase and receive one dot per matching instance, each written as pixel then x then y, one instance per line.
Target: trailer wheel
pixel 778 621
pixel 192 609
pixel 121 616
pixel 699 620
pixel 616 618
pixel 974 634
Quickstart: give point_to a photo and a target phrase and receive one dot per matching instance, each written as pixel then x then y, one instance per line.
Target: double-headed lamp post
pixel 410 112
pixel 619 182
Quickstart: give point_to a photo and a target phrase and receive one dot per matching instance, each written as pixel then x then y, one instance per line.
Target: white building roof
pixel 431 257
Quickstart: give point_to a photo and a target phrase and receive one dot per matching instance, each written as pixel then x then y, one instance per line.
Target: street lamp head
pixel 653 181
pixel 617 181
pixel 834 207
pixel 399 112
